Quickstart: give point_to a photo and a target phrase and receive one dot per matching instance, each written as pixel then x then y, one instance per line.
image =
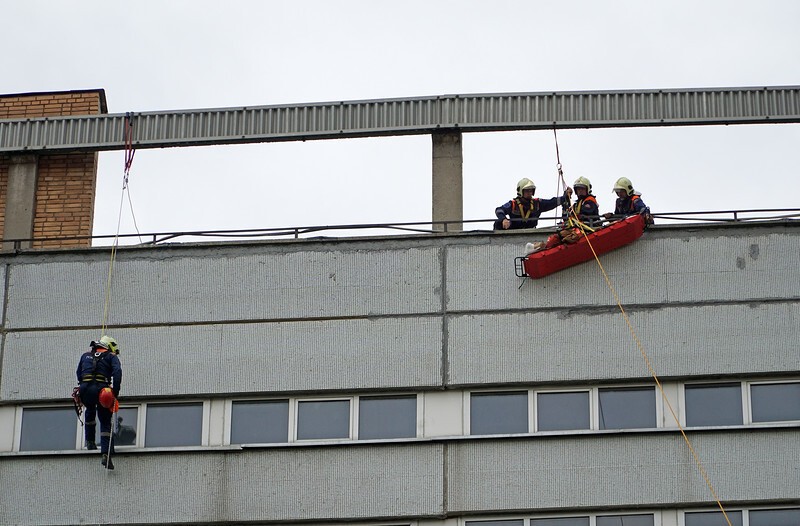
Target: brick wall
pixel 65 199
pixel 26 105
pixel 66 182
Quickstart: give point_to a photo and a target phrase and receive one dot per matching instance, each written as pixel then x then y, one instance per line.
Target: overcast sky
pixel 171 55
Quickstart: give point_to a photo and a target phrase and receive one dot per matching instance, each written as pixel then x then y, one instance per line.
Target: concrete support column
pixel 23 173
pixel 448 180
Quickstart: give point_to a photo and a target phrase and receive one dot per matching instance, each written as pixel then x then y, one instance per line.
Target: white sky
pixel 189 54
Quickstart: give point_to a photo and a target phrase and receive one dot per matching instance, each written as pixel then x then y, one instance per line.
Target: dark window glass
pixel 125 426
pixel 48 429
pixel 775 402
pixel 713 405
pixel 260 422
pixel 775 517
pixel 174 425
pixel 561 521
pixel 713 518
pixel 511 522
pixel 561 411
pixel 627 408
pixel 387 417
pixel 323 419
pixel 498 413
pixel 626 520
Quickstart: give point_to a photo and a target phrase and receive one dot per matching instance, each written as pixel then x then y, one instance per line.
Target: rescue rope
pixel 652 372
pixel 573 221
pixel 129 153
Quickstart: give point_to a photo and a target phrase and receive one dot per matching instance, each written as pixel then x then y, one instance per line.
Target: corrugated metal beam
pixel 368 118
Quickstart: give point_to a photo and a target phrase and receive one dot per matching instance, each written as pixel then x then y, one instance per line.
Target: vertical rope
pixel 573 216
pixel 652 372
pixel 129 153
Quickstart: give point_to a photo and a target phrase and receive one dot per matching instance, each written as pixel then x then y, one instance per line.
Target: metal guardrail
pixel 417 115
pixel 421 227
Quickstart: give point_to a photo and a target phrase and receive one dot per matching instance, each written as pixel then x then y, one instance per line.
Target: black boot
pixel 106 462
pixel 90 445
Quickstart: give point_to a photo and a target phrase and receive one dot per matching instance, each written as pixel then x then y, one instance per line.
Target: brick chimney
pixel 45 196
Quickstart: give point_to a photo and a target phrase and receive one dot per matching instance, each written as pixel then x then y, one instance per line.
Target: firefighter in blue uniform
pixel 99 368
pixel 586 205
pixel 629 202
pixel 524 210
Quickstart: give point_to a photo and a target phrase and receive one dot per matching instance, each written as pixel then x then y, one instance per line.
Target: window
pixel 260 421
pixel 510 522
pixel 498 413
pixel 626 520
pixel 561 521
pixel 323 419
pixel 775 517
pixel 712 518
pixel 47 429
pixel 387 417
pixel 628 408
pixel 713 405
pixel 124 427
pixel 775 402
pixel 174 425
pixel 562 411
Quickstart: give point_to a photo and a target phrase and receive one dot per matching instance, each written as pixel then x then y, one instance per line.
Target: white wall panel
pixel 620 470
pixel 233 487
pixel 238 358
pixel 557 346
pixel 239 285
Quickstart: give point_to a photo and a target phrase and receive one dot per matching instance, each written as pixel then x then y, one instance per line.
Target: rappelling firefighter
pixel 100 377
pixel 524 210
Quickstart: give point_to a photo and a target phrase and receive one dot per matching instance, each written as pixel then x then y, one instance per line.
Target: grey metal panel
pixel 481 112
pixel 589 346
pixel 661 267
pixel 301 356
pixel 240 285
pixel 564 473
pixel 345 483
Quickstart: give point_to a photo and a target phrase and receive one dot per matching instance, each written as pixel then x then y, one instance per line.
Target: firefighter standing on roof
pixel 524 210
pixel 100 369
pixel 585 208
pixel 629 202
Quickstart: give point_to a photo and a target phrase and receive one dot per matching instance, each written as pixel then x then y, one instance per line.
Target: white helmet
pixel 582 181
pixel 623 183
pixel 525 184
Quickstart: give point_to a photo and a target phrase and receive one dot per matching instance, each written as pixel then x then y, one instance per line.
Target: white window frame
pixel 748 402
pixel 295 418
pixel 528 519
pixel 658 401
pixel 742 391
pixel 467 408
pixel 18 425
pixel 229 414
pixel 419 416
pixel 591 391
pixel 683 512
pixel 204 439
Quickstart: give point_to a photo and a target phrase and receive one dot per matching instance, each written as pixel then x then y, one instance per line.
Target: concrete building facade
pixel 411 380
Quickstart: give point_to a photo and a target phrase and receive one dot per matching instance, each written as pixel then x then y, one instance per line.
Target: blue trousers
pixel 90 393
